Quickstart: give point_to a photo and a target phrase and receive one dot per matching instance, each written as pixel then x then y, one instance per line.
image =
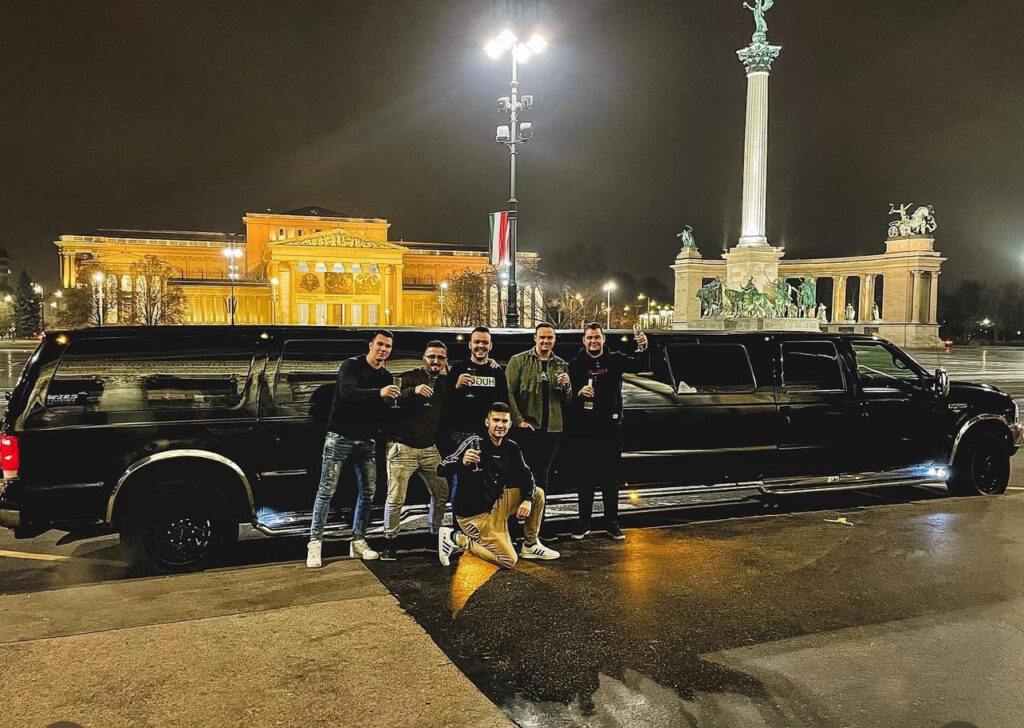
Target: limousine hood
pixel 985 397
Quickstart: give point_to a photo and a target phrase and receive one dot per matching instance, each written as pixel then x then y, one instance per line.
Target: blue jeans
pixel 337 450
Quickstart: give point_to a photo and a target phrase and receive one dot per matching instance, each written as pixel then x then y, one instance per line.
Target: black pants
pixel 595 466
pixel 539 450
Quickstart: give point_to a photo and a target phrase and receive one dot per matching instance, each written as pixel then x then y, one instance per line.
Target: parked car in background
pixel 173 436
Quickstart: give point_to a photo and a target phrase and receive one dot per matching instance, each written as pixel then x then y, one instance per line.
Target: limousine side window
pixel 711 368
pixel 811 366
pixel 305 366
pixel 131 374
pixel 879 367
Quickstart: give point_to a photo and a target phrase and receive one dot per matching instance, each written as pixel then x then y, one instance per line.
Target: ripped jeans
pixel 337 450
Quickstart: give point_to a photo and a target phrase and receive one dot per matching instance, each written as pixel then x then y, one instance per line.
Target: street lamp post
pixel 273 301
pixel 608 288
pixel 38 290
pixel 441 289
pixel 98 279
pixel 232 253
pixel 513 134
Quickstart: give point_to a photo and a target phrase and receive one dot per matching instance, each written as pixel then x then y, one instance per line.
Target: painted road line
pixel 57 557
pixel 1014 487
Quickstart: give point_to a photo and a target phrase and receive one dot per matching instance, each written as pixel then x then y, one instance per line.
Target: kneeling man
pixel 494 484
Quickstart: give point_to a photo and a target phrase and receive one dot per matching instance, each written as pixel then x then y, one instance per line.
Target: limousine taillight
pixel 10 456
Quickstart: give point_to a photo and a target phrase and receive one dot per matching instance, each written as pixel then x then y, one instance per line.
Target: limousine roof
pixel 218 330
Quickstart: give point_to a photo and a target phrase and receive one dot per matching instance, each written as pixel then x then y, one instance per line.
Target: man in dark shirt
pixel 494 484
pixel 478 381
pixel 595 424
pixel 411 447
pixel 357 412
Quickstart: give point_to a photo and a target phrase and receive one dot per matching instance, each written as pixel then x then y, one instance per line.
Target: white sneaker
pixel 359 549
pixel 313 555
pixel 447 545
pixel 538 551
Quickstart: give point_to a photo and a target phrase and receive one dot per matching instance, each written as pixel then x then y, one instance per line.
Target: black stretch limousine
pixel 173 436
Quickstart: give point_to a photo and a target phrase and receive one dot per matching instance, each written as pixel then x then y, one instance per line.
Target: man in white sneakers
pixel 357 412
pixel 494 485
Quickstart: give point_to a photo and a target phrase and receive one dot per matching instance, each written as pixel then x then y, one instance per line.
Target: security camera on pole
pixel 513 134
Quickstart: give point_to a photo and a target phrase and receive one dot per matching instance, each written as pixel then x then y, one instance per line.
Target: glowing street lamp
pixel 441 289
pixel 608 288
pixel 232 252
pixel 513 134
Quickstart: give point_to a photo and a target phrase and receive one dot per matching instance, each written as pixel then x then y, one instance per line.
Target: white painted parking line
pixel 1014 487
pixel 57 557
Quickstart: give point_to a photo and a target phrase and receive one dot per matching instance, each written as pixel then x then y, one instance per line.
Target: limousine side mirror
pixel 941 382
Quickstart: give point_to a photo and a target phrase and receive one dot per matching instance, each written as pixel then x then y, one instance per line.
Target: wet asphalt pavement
pixel 788 619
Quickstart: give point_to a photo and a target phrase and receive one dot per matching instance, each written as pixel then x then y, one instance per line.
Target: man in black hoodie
pixel 494 484
pixel 595 427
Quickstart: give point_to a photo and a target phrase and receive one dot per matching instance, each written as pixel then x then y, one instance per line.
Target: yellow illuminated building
pixel 307 266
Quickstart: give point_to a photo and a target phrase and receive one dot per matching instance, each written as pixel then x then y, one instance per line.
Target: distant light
pixel 53 304
pixel 274 281
pixel 523 53
pixel 537 43
pixel 459 337
pixel 609 286
pixel 61 339
pixel 58 294
pixel 444 285
pixel 985 322
pixel 624 338
pixel 501 43
pixel 98 277
pixel 264 335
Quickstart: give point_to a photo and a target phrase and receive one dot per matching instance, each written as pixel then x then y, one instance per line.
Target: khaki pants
pixel 488 533
pixel 403 461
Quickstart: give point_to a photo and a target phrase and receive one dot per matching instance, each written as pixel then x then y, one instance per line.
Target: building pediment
pixel 336 239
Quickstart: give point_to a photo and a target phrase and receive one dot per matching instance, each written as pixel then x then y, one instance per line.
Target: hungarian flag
pixel 499 238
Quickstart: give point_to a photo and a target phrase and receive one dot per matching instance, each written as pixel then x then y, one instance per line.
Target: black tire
pixel 981 467
pixel 178 526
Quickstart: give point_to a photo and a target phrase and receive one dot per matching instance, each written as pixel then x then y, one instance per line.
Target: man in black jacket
pixel 494 484
pixel 595 429
pixel 357 412
pixel 475 383
pixel 411 447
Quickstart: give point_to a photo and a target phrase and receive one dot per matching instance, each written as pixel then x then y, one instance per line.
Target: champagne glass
pixel 469 389
pixel 431 382
pixel 478 446
pixel 394 401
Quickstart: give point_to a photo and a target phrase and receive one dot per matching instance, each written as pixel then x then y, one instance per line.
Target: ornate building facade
pixel 307 266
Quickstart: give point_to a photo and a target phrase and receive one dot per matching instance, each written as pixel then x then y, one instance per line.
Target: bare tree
pixel 78 308
pixel 157 299
pixel 465 300
pixel 569 307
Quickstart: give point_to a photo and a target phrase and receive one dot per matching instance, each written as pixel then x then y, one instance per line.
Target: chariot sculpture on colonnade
pixel 780 299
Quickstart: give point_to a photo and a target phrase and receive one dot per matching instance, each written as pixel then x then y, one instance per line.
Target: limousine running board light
pixel 562 507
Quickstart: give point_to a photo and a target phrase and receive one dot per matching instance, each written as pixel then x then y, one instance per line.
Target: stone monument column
pixel 757 60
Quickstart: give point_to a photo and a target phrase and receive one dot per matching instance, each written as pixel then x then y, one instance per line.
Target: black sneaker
pixel 614 532
pixel 580 532
pixel 388 553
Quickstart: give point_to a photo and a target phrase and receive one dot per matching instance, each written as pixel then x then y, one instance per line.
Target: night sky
pixel 185 115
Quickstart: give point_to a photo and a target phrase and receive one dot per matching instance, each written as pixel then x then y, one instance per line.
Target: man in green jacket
pixel 539 391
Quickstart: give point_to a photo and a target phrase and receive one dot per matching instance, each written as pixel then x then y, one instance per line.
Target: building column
pixel 933 302
pixel 397 313
pixel 867 296
pixel 757 60
pixel 838 299
pixel 915 296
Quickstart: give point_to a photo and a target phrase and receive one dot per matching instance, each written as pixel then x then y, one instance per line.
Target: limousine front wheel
pixel 981 467
pixel 180 525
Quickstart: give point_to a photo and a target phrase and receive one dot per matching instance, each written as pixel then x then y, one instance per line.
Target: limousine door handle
pixel 784 411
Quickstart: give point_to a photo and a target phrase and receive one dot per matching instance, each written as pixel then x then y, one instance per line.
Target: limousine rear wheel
pixel 981 467
pixel 180 525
